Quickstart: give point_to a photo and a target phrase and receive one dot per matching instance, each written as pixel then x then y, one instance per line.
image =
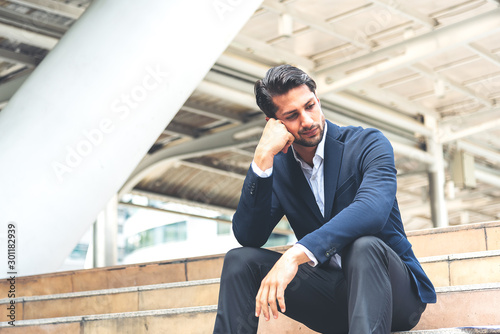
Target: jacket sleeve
pixel 375 179
pixel 258 211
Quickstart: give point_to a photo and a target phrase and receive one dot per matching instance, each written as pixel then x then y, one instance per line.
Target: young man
pixel 352 269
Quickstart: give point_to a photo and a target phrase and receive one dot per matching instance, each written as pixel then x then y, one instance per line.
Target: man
pixel 352 269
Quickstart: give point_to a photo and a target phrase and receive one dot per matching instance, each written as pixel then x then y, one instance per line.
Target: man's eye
pixel 292 117
pixel 310 106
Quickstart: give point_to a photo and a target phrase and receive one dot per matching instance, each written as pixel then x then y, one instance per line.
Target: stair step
pixel 459 330
pixel 473 305
pixel 189 320
pixel 465 305
pixel 426 243
pixel 461 269
pixel 130 299
pixel 461 306
pixel 456 239
pixel 196 268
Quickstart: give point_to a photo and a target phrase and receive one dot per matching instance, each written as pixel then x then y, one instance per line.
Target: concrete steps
pixel 460 306
pixel 119 276
pixel 456 239
pixel 426 243
pixel 463 269
pixel 130 299
pixel 464 305
pixel 444 270
pixel 179 296
pixel 184 320
pixel 460 330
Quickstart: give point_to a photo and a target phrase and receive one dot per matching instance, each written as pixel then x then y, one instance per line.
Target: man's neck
pixel 306 153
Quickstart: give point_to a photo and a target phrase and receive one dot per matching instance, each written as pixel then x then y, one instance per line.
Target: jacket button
pixel 328 254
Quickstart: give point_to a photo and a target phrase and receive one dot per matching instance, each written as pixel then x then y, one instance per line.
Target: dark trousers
pixel 372 293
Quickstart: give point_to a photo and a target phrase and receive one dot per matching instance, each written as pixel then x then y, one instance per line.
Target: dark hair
pixel 278 81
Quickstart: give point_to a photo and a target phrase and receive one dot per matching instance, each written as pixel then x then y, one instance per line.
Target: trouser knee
pixel 247 259
pixel 368 242
pixel 235 261
pixel 365 252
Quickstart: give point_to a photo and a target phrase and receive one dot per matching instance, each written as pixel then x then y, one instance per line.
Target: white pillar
pixel 83 120
pixel 437 179
pixel 105 242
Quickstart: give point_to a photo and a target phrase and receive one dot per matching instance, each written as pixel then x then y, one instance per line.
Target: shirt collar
pixel 320 150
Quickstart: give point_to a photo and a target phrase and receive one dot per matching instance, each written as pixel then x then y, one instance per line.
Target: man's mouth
pixel 310 133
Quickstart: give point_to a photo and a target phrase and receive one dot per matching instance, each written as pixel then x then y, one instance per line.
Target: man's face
pixel 299 109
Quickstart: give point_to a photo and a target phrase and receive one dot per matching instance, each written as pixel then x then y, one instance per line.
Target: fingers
pixel 271 294
pixel 281 298
pixel 272 303
pixel 289 143
pixel 261 304
pixel 266 299
pixel 258 304
pixel 277 135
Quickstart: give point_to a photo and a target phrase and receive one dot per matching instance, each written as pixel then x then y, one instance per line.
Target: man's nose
pixel 306 120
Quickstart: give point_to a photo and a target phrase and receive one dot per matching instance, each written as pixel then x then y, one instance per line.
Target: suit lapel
pixel 302 186
pixel 332 162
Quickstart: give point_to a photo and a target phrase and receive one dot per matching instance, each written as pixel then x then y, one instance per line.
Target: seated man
pixel 337 187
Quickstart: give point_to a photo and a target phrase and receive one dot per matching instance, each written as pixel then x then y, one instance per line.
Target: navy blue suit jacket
pixel 360 199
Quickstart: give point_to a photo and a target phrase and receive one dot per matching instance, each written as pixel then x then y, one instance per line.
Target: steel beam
pixel 376 63
pixel 375 111
pixel 227 94
pixel 471 130
pixel 211 112
pixel 479 150
pixel 316 23
pixel 54 7
pixel 34 23
pixel 486 177
pixel 398 101
pixel 15 57
pixel 216 142
pixel 484 53
pixel 403 8
pixel 9 87
pixel 264 50
pixel 27 37
pixel 242 65
pixel 349 13
pixel 454 85
pixel 413 153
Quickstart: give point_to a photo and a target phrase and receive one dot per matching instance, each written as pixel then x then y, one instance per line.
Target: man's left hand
pixel 272 288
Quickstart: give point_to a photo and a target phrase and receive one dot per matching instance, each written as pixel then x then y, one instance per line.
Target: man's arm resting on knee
pixel 272 287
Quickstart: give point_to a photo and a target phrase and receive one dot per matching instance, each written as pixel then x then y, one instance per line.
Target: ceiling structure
pixel 426 73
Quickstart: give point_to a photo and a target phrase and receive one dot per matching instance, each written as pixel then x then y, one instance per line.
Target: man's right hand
pixel 275 139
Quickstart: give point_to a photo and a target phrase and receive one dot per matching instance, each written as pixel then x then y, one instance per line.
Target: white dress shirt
pixel 315 178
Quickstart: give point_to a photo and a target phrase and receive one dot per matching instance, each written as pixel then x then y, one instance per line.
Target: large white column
pixel 79 125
